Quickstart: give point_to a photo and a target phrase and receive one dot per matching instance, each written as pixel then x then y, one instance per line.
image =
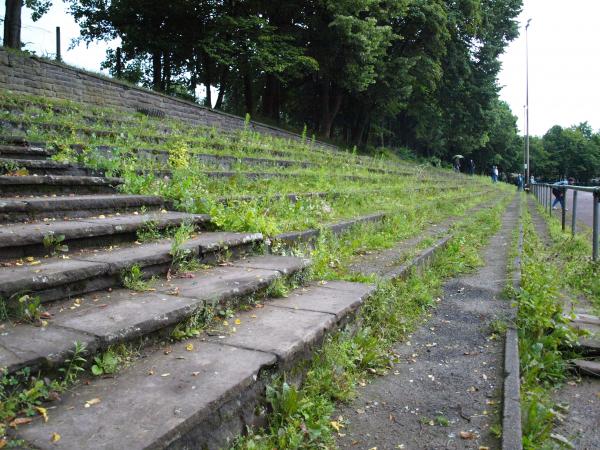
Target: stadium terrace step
pixel 23 152
pixel 48 167
pixel 56 184
pixel 199 395
pixel 56 278
pixel 307 236
pixel 20 240
pixel 102 319
pixel 588 367
pixel 15 209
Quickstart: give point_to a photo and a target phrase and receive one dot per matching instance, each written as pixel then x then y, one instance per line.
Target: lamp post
pixel 527 174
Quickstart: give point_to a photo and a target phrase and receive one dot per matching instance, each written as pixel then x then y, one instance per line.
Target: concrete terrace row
pixel 69 237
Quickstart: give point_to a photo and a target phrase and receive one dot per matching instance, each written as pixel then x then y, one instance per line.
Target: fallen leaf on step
pixel 92 402
pixel 55 437
pixel 3 443
pixel 20 421
pixel 43 412
pixel 483 448
pixel 238 321
pixel 468 435
pixel 336 425
pixel 189 347
pixel 195 374
pixel 165 374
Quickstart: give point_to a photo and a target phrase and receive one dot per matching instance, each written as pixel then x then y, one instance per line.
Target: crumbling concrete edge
pixel 512 434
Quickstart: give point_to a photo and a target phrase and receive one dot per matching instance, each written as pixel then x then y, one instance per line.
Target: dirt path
pixel 448 379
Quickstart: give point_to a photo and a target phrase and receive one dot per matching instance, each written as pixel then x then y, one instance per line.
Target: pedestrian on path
pixel 494 174
pixel 559 193
pixel 471 167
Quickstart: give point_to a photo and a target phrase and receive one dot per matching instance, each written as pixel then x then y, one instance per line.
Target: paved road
pixel 585 205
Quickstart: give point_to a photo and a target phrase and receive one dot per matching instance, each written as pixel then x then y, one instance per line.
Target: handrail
pixel 571 187
pixel 543 193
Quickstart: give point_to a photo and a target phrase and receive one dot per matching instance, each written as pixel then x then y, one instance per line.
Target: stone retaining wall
pixel 36 76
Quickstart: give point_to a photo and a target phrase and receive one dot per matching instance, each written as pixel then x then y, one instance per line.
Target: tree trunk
pixel 166 85
pixel 358 131
pixel 156 71
pixel 248 93
pixel 330 107
pixel 271 97
pixel 12 24
pixel 222 83
pixel 207 78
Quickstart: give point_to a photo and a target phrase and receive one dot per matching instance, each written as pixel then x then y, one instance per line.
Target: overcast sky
pixel 564 59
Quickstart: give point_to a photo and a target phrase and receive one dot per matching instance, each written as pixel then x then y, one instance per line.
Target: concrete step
pixel 102 319
pixel 23 152
pixel 56 184
pixel 48 167
pixel 15 209
pixel 588 367
pixel 20 240
pixel 590 342
pixel 56 278
pixel 202 395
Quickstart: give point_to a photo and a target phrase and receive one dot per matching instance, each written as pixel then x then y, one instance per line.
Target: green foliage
pixel 74 365
pixel 106 363
pixel 183 259
pixel 178 155
pixel 133 278
pixel 54 243
pixel 148 232
pixel 545 340
pixel 278 289
pixel 25 308
pixel 194 324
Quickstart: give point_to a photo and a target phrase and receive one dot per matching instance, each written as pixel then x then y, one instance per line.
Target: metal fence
pixel 543 193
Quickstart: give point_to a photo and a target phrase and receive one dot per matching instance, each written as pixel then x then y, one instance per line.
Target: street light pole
pixel 527 177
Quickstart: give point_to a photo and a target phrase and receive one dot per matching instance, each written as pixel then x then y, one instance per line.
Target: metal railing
pixel 543 193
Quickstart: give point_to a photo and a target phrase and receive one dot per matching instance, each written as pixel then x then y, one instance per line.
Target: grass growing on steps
pixel 300 417
pixel 580 273
pixel 545 339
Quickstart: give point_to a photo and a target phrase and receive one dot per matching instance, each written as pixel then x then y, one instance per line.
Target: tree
pixel 12 18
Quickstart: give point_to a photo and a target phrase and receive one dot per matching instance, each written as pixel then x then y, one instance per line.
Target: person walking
pixel 559 193
pixel 494 174
pixel 471 167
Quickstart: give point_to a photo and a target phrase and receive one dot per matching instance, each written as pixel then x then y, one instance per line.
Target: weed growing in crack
pixel 54 243
pixel 149 231
pixel 106 363
pixel 133 278
pixel 74 365
pixel 183 259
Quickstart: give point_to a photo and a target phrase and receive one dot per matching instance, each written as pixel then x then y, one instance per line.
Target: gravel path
pixel 444 393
